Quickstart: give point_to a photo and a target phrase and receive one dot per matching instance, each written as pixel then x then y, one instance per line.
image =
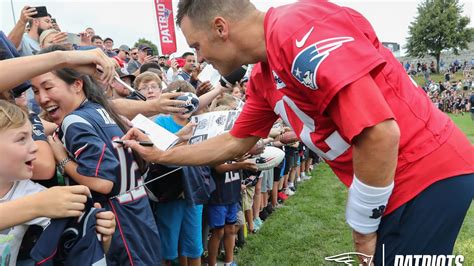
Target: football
pixel 191 102
pixel 270 158
pixel 288 137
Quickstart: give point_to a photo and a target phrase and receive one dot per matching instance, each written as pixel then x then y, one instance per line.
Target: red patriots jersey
pixel 313 64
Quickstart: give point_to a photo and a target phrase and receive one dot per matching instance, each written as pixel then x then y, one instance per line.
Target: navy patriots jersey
pixel 87 134
pixel 227 187
pixel 71 241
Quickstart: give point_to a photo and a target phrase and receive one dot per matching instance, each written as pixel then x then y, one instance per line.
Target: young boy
pixel 16 168
pixel 223 207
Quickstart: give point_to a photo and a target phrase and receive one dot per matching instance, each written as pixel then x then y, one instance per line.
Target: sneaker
pixel 278 206
pixel 264 215
pixel 306 177
pixel 289 192
pixel 257 222
pixel 269 208
pixel 293 188
pixel 282 196
pixel 298 179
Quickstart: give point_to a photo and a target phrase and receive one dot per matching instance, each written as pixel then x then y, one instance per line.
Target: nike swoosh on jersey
pixel 300 43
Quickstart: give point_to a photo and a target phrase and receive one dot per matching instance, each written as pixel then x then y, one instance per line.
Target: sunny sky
pixel 125 20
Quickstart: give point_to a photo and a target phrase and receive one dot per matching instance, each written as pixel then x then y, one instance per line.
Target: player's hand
pixel 60 202
pixel 27 13
pixel 105 226
pixel 88 62
pixel 57 147
pixel 59 38
pixel 186 132
pixel 166 103
pixel 365 244
pixel 150 154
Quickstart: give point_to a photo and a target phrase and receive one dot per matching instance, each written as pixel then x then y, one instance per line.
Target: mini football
pixel 288 137
pixel 191 102
pixel 270 158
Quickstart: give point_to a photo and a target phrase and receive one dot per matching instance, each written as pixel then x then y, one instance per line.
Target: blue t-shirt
pixel 87 134
pixel 167 122
pixel 195 182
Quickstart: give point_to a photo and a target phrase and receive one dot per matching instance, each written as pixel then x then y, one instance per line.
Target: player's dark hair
pixel 94 93
pixel 201 11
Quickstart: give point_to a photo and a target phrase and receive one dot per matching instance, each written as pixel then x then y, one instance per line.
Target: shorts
pixel 429 223
pixel 220 215
pixel 291 157
pixel 247 198
pixel 267 180
pixel 313 156
pixel 179 225
pixel 240 217
pixel 278 172
pixel 305 154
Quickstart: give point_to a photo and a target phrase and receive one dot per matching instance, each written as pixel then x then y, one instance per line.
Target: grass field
pixel 437 77
pixel 311 224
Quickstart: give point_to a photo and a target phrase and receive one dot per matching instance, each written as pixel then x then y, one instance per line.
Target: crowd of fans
pixel 450 95
pixel 191 214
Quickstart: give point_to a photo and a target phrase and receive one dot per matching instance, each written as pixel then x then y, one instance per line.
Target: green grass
pixel 420 80
pixel 311 225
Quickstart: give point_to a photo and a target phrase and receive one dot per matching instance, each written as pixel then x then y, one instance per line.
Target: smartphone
pixel 41 12
pixel 181 62
pixel 74 38
pixel 149 52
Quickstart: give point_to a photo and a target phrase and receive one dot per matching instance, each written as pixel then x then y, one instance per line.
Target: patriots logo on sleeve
pixel 306 63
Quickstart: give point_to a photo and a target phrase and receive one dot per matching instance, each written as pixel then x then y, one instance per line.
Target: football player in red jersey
pixel 321 68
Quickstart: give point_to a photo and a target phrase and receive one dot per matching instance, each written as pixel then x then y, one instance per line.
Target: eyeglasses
pixel 134 53
pixel 153 88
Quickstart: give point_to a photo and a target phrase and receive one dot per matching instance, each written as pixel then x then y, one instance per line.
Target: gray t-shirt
pixel 28 46
pixel 10 238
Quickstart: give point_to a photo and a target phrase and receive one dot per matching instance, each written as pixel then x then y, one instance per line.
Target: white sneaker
pixel 298 179
pixel 306 177
pixel 289 192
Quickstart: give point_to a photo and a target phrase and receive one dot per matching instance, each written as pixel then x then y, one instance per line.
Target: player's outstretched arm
pixel 56 202
pixel 213 151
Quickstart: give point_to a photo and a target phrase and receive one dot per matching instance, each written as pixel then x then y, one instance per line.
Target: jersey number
pixel 128 180
pixel 335 142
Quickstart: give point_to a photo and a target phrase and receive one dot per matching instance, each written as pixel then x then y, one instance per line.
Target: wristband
pixel 365 206
pixel 62 165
